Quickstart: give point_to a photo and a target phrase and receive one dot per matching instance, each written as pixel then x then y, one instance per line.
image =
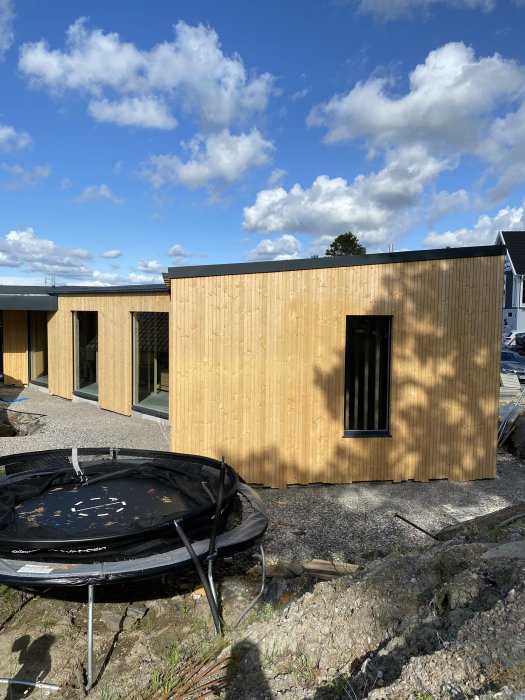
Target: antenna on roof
pixel 390 247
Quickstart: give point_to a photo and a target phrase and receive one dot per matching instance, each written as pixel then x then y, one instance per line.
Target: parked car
pixel 513 363
pixel 515 340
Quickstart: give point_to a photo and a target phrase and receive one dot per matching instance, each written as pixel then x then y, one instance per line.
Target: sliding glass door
pixel 151 362
pixel 85 333
pixel 38 347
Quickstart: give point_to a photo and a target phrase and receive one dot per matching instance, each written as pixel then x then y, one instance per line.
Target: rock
pixel 113 620
pixel 509 550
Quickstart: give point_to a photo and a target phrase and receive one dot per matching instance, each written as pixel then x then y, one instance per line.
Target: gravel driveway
pixel 349 522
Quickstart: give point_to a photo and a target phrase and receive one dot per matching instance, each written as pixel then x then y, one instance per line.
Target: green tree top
pixel 346 244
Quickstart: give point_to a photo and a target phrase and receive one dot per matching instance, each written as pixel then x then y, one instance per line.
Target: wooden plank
pixel 114 344
pixel 260 368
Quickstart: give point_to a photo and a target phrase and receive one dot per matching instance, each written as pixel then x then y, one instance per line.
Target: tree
pixel 346 244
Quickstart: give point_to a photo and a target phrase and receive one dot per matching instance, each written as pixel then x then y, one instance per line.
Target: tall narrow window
pixel 151 362
pixel 38 347
pixel 367 375
pixel 86 353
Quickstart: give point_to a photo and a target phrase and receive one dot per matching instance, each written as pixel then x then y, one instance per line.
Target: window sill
pixel 366 433
pixel 84 395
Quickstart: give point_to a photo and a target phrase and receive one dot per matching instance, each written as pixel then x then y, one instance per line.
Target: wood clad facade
pixel 15 350
pixel 114 343
pixel 257 364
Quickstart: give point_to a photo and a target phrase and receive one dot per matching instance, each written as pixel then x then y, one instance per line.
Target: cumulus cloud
pixel 151 266
pixel 114 253
pixel 483 232
pixel 392 9
pixel 19 178
pixel 276 176
pixel 223 157
pixel 456 105
pixel 191 72
pixel 284 248
pixel 23 249
pixel 371 206
pixel 12 140
pixel 97 192
pixel 135 111
pixel 445 202
pixel 7 17
pixel 449 96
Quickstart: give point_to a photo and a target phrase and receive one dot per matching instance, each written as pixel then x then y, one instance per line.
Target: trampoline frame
pixel 24 572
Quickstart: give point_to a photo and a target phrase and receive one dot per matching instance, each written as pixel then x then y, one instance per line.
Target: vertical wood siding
pixel 115 362
pixel 257 371
pixel 16 367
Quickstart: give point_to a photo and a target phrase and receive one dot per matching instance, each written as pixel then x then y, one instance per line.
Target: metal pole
pixel 91 598
pixel 30 684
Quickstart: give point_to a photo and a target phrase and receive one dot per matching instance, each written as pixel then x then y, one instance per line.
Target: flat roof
pixel 71 289
pixel 335 261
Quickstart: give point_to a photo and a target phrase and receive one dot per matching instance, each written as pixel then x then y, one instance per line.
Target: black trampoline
pixel 88 517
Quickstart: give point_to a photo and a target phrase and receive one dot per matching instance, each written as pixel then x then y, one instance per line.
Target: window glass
pixel 367 374
pixel 151 361
pixel 38 347
pixel 86 353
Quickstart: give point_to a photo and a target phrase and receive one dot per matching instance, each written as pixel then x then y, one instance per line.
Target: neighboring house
pixel 514 282
pixel 333 370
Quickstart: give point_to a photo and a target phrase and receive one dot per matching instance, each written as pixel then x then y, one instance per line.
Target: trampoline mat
pixel 116 508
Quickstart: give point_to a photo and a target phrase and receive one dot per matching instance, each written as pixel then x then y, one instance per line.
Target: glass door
pixel 85 334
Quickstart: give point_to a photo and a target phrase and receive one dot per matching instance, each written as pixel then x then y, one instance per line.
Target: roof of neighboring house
pixel 334 261
pixel 515 242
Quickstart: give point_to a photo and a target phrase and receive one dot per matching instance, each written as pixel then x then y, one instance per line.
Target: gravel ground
pixel 350 522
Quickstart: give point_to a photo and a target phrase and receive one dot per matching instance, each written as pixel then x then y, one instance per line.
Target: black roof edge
pixel 336 261
pixel 55 291
pixel 28 302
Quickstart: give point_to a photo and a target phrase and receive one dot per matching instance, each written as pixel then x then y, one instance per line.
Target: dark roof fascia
pixel 336 261
pixel 127 289
pixel 28 302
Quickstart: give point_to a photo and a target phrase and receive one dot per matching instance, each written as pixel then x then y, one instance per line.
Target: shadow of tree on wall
pixel 445 364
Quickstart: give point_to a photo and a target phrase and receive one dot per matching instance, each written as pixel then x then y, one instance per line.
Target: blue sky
pixel 137 136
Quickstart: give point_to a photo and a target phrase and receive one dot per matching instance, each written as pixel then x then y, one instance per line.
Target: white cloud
pixel 276 176
pixel 24 250
pixel 111 253
pixel 284 248
pixel 457 105
pixel 320 245
pixel 20 178
pixel 7 17
pixel 141 278
pixel 97 192
pixel 483 232
pixel 191 71
pixel 12 140
pixel 373 207
pixel 300 94
pixel 134 111
pixel 391 9
pixel 445 202
pixel 151 266
pixel 178 251
pixel 223 156
pixel 450 95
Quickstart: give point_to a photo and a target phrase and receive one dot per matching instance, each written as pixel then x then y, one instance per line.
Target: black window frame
pixel 355 325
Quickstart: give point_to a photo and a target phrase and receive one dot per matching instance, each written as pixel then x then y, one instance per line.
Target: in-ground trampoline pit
pixel 92 517
pixel 18 424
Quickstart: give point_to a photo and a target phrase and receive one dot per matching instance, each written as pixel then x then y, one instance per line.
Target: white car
pixel 510 339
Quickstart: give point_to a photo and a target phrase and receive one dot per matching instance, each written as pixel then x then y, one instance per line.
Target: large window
pixel 367 375
pixel 151 362
pixel 85 332
pixel 38 347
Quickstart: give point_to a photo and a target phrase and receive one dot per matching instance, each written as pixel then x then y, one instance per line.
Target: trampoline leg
pixel 91 597
pixel 210 580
